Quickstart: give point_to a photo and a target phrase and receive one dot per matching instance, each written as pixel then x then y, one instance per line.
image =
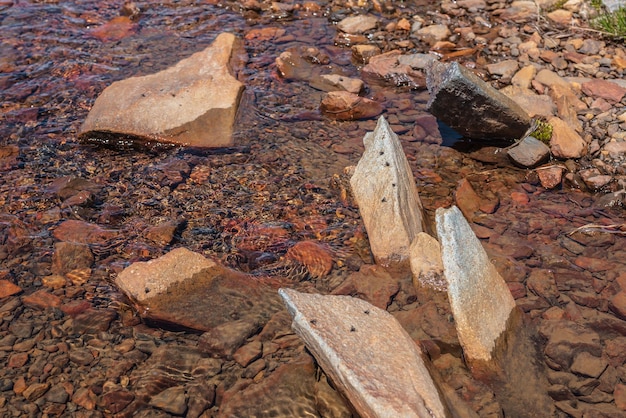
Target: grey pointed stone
pixel 385 191
pixel 497 341
pixel 470 106
pixel 367 354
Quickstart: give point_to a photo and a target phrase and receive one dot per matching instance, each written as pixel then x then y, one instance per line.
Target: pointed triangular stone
pixel 385 191
pixel 497 343
pixel 367 354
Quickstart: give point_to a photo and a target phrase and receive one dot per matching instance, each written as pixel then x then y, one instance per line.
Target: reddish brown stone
pixel 116 400
pixel 83 232
pixel 41 299
pixel 92 321
pixel 518 290
pixel 466 199
pixel 619 394
pixel 618 304
pixel 520 198
pixel 372 283
pixel 8 289
pixel 248 353
pixel 75 307
pixel 604 89
pixel 593 264
pixel 85 398
pixel 314 256
pixel 115 29
pixel 35 391
pixel 550 177
pixel 69 256
pixel 343 105
pixel 17 360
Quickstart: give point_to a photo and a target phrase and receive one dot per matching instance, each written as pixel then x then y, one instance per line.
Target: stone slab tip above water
pixel 385 191
pixel 480 299
pixel 470 106
pixel 367 354
pixel 193 103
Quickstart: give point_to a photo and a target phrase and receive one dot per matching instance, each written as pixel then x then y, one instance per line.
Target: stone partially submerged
pixel 367 354
pixel 184 290
pixel 470 106
pixel 385 191
pixel 193 103
pixel 496 342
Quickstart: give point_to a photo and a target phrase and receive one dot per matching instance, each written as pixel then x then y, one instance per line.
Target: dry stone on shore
pixel 367 354
pixel 385 191
pixel 193 103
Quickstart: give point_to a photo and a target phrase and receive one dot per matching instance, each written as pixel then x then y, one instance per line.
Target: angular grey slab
pixel 472 107
pixel 367 354
pixel 191 103
pixel 498 343
pixel 480 300
pixel 529 152
pixel 385 191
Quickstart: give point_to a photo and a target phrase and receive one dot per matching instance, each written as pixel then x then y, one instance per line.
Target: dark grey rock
pixel 471 106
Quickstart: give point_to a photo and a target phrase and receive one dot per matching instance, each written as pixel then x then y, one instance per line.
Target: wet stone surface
pixel 73 216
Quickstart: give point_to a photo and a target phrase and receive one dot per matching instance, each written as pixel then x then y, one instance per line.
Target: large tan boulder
pixel 385 191
pixel 193 103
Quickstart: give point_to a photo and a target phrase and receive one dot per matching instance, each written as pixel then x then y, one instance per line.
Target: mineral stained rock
pixel 367 354
pixel 193 103
pixel 385 191
pixel 470 106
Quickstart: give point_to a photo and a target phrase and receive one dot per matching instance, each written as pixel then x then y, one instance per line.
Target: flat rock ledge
pixel 367 354
pixel 470 106
pixel 184 290
pixel 385 191
pixel 194 103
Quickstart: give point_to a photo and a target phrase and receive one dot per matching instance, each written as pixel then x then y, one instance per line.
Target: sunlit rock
pixel 551 176
pixel 565 142
pixel 472 107
pixel 381 377
pixel 336 82
pixel 529 152
pixel 193 103
pixel 385 191
pixel 184 290
pixel 497 343
pixel 473 285
pixel 426 264
pixel 357 24
pixel 394 68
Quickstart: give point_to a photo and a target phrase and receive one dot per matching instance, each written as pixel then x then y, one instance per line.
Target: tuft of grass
pixel 613 24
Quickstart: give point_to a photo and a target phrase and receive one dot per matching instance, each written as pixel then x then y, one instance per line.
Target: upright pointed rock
pixel 385 190
pixel 470 106
pixel 497 344
pixel 367 354
pixel 192 103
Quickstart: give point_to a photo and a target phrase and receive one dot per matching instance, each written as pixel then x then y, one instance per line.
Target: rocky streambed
pixel 74 215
